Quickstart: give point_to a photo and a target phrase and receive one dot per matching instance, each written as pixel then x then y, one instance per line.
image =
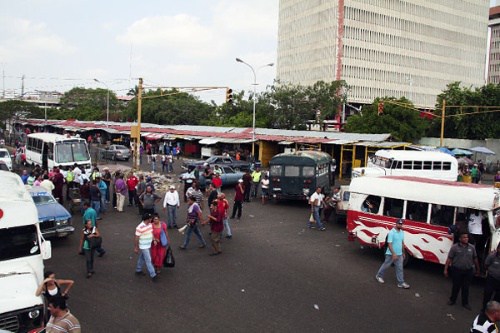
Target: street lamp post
pixel 254 98
pixel 107 101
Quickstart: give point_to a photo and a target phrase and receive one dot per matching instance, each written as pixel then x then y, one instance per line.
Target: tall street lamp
pixel 107 101
pixel 254 98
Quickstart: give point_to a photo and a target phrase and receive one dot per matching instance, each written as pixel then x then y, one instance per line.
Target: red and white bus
pixel 432 210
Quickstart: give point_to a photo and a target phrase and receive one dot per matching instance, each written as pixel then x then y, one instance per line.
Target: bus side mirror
pixel 46 250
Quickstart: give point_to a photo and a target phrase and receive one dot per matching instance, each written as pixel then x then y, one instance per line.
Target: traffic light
pixel 229 96
pixel 380 108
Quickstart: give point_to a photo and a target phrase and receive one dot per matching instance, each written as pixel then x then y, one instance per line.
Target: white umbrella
pixel 482 150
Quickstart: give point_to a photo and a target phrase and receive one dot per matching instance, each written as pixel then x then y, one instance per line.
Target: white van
pixel 424 164
pixel 22 251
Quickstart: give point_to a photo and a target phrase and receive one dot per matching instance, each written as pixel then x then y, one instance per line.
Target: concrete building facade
pixel 494 46
pixel 411 48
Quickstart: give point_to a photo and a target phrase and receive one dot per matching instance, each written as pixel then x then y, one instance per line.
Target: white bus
pixel 425 164
pixel 433 211
pixel 22 251
pixel 55 150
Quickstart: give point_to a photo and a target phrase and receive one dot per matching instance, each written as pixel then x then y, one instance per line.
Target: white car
pixel 5 156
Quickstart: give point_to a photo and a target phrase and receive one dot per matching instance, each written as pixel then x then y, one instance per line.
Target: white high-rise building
pixel 411 48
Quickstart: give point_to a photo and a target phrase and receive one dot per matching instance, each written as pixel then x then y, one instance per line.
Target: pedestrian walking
pixel 194 215
pixel 142 246
pixel 264 188
pixel 158 248
pixel 492 284
pixel 171 203
pixel 462 259
pixel 61 320
pixel 256 176
pixel 394 255
pixel 216 228
pixel 239 192
pixel 316 202
pixel 223 209
pixel 90 234
pixel 148 200
pixel 121 192
pixel 247 183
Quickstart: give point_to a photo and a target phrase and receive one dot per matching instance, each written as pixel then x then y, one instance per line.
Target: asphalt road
pixel 273 276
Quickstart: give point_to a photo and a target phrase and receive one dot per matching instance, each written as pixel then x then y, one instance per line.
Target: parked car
pixel 54 219
pixel 220 161
pixel 5 157
pixel 229 176
pixel 116 152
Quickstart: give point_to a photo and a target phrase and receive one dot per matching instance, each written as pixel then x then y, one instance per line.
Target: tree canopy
pixel 469 113
pixel 398 118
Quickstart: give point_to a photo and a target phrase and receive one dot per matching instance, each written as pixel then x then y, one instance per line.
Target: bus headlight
pixel 34 314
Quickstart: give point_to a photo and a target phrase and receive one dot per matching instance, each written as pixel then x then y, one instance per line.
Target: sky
pixel 59 44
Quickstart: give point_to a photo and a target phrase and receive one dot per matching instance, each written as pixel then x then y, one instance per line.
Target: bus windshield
pixel 71 151
pixel 18 242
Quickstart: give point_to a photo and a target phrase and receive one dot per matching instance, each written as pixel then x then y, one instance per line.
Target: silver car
pixel 116 152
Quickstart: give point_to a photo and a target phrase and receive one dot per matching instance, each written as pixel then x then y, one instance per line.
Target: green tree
pixel 86 104
pixel 399 118
pixel 12 109
pixel 170 107
pixel 466 115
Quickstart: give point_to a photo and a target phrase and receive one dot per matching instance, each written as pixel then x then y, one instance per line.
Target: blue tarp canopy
pixel 461 152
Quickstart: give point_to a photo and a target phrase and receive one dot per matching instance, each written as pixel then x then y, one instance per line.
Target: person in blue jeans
pixel 193 217
pixel 316 202
pixel 394 255
pixel 143 240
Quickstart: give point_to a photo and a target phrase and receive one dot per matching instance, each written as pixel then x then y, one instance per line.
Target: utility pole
pixel 138 138
pixel 443 110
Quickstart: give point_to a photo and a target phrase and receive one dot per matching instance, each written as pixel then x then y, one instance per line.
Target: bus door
pixel 45 153
pixel 292 183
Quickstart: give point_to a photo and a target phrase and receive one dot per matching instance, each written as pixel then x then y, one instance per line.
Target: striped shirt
pixel 65 324
pixel 483 325
pixel 145 233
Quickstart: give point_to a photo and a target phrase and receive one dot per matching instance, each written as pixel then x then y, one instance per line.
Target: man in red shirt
pixel 217 181
pixel 132 182
pixel 238 199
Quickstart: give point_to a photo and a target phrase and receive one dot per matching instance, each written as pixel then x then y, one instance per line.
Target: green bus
pixel 297 175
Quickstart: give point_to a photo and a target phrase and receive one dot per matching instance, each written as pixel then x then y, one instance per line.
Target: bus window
pixel 417 211
pixel 417 165
pixel 393 207
pixel 446 165
pixel 50 151
pixel 442 215
pixel 307 171
pixel 427 165
pixel 291 171
pixel 397 165
pixel 276 170
pixel 407 165
pixel 371 204
pixel 437 165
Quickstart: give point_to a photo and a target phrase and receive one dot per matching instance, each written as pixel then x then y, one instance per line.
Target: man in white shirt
pixel 171 204
pixel 476 232
pixel 47 184
pixel 316 201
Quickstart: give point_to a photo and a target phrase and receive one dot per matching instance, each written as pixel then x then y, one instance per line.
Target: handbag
pixel 169 260
pixel 94 242
pixel 163 237
pixel 311 218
